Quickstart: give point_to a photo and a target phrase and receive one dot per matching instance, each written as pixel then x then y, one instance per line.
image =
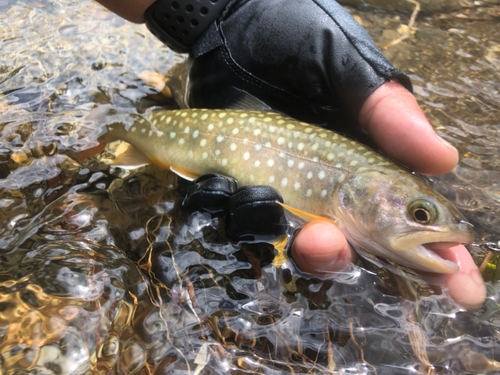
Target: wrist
pixel 131 10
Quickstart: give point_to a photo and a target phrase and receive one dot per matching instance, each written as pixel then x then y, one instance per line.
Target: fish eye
pixel 423 211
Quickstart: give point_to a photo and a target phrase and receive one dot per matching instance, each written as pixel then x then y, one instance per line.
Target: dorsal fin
pixel 242 100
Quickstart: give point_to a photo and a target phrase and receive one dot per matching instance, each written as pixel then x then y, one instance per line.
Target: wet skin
pixel 321 247
pixel 394 120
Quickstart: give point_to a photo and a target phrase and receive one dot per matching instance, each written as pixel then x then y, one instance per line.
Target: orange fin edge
pixel 304 215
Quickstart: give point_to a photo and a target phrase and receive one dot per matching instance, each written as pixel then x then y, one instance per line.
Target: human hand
pixel 320 247
pixel 311 60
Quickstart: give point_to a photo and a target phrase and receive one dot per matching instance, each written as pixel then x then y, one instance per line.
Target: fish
pixel 381 207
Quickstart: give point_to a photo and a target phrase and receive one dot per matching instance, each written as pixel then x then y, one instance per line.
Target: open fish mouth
pixel 425 256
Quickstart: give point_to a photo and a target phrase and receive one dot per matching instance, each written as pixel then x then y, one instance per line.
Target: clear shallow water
pixel 102 271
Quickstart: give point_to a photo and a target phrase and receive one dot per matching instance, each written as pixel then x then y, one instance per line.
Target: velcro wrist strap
pixel 179 23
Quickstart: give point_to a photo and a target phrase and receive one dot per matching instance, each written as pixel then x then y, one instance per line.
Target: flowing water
pixel 103 271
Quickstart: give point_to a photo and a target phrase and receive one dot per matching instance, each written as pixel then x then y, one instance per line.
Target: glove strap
pixel 179 23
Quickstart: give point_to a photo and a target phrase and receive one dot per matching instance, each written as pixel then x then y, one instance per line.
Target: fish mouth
pixel 421 251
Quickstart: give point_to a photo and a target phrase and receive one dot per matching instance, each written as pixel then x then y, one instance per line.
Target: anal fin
pixel 128 155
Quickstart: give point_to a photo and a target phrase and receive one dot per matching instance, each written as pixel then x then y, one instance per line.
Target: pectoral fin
pixel 307 216
pixel 184 174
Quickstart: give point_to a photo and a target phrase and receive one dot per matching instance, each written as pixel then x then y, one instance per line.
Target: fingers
pixel 396 123
pixel 465 286
pixel 320 247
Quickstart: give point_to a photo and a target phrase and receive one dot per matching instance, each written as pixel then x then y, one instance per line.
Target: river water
pixel 102 270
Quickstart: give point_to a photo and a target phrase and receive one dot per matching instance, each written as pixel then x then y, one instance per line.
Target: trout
pixel 380 207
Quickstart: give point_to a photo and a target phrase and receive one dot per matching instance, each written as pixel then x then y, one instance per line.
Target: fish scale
pixel 302 161
pixel 380 207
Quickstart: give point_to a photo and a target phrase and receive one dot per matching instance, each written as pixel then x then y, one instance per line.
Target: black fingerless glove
pixel 306 58
pixel 251 212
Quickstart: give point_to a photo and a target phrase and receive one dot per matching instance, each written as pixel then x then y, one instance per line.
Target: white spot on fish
pixel 210 126
pixel 230 120
pixel 181 141
pixel 257 164
pixel 267 144
pixel 133 129
pixel 290 144
pixel 341 178
pixel 300 146
pixel 233 147
pixel 143 130
pixel 203 142
pixel 270 163
pixel 279 122
pixel 338 165
pixel 309 175
pixel 186 129
pixel 217 152
pixel 172 135
pixel 258 147
pixel 222 114
pixel 270 179
pixel 371 160
pixel 246 156
pixel 204 155
pixel 284 182
pixel 272 129
pixel 183 114
pixel 321 175
pixel 150 133
pixel 289 163
pixel 353 163
pixel 296 186
pixel 290 126
pixel 252 178
pixel 330 156
pixel 256 132
pixel 281 140
pixel 194 114
pixel 308 193
pixel 308 130
pixel 315 146
pixel 223 162
pixel 323 135
pixel 196 133
pixel 169 119
pixel 204 116
pixel 243 115
pixel 235 131
pixel 301 165
pixel 268 119
pixel 219 138
pixel 190 153
pixel 159 134
pixel 323 193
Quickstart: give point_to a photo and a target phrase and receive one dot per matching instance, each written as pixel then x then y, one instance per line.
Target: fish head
pixel 399 217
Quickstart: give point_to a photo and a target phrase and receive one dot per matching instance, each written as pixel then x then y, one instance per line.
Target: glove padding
pixel 251 212
pixel 308 59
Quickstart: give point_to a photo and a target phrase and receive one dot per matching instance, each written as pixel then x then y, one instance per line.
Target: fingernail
pixel 445 142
